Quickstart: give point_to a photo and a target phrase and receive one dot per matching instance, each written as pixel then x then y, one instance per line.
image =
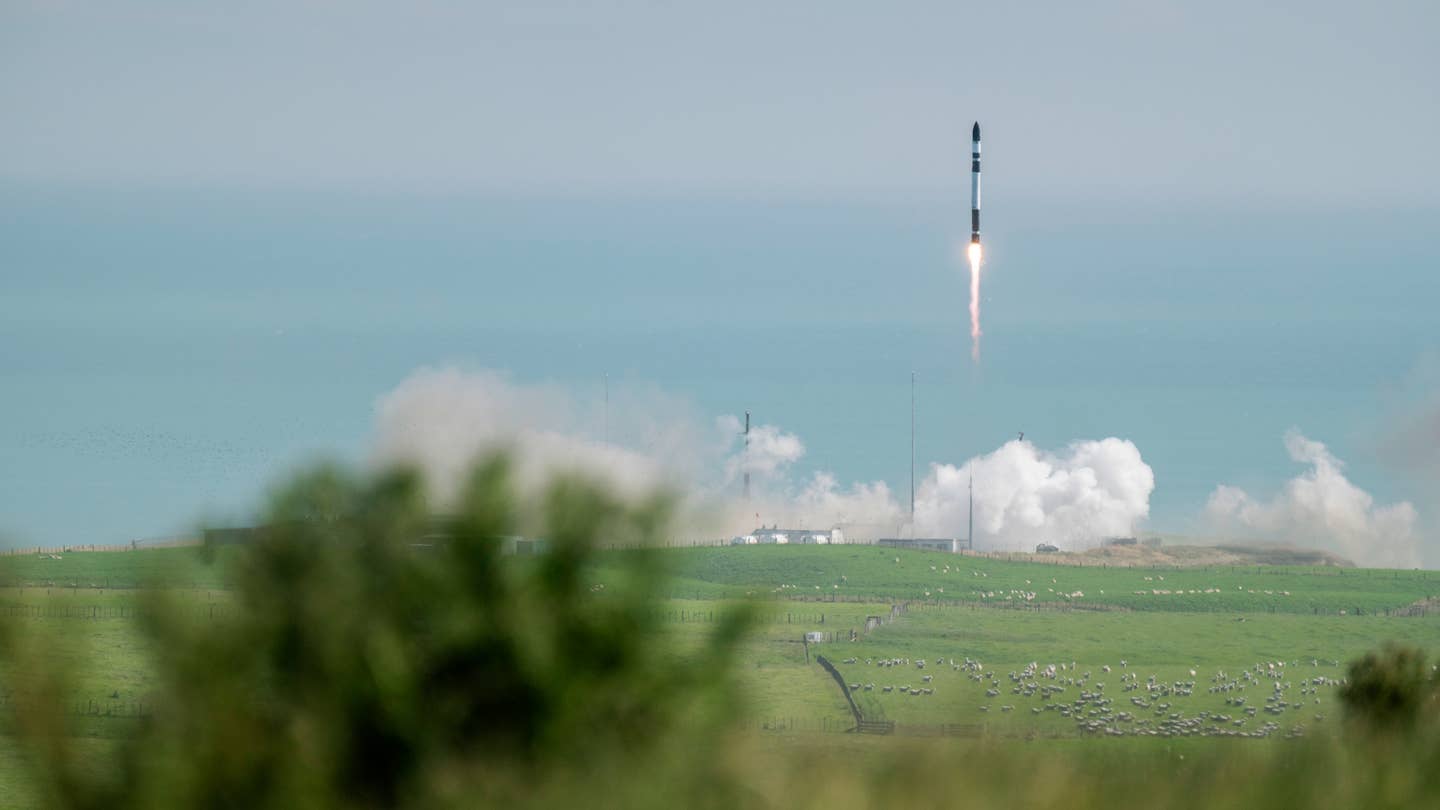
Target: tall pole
pixel 746 460
pixel 912 454
pixel 605 427
pixel 970 535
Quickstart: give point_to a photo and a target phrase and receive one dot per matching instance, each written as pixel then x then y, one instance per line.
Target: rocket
pixel 975 184
pixel 972 254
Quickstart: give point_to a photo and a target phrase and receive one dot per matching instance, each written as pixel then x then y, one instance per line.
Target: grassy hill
pixel 1165 646
pixel 180 567
pixel 1006 614
pixel 863 573
pixel 872 573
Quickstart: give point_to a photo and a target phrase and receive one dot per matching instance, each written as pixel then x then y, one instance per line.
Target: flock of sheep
pixel 1274 687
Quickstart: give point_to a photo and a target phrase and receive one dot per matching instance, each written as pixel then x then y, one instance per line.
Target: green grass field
pixel 1315 620
pixel 84 609
pixel 872 573
pixel 172 568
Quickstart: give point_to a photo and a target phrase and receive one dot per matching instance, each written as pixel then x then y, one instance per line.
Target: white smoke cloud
pixel 863 511
pixel 1091 490
pixel 1322 508
pixel 442 420
pixel 766 454
pixel 863 508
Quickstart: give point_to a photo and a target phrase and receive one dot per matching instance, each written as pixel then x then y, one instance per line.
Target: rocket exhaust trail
pixel 973 254
pixel 974 259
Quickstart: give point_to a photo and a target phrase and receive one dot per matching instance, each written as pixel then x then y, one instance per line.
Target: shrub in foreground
pixel 379 657
pixel 1392 691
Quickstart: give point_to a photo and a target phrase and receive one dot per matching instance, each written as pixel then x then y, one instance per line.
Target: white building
pixel 949 544
pixel 776 536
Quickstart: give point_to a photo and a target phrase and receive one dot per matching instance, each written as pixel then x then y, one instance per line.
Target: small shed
pixel 947 544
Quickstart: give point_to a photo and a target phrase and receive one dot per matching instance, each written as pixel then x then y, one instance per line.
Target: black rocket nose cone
pixel 975 133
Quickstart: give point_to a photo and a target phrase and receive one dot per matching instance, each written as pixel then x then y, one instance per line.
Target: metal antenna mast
pixel 746 459
pixel 970 536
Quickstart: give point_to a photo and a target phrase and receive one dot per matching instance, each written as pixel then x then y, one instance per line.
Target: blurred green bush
pixel 1392 692
pixel 384 658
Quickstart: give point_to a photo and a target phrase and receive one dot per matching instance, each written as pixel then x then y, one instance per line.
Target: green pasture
pixel 171 568
pixel 93 632
pixel 1164 645
pixel 95 638
pixel 855 573
pixel 87 610
pixel 781 688
pixel 870 573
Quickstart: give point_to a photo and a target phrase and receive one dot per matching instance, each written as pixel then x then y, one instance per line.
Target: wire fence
pixel 98 612
pixel 84 707
pixel 134 545
pixel 846 725
pixel 710 616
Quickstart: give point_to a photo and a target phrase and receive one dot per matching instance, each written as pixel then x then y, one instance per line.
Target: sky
pixel 1284 101
pixel 226 234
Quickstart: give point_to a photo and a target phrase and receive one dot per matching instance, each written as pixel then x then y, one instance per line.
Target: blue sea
pixel 167 355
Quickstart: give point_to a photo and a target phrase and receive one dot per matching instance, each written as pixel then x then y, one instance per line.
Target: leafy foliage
pixel 1392 690
pixel 383 658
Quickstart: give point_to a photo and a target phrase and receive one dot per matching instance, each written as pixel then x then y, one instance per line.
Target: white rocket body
pixel 975 184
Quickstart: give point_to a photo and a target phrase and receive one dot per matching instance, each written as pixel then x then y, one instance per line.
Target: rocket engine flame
pixel 973 254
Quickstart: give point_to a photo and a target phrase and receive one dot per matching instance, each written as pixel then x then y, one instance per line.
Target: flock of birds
pixel 1276 688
